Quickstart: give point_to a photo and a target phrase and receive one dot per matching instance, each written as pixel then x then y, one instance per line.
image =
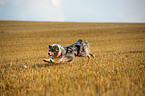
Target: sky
pixel 73 10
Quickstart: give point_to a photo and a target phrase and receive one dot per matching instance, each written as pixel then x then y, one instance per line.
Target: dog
pixel 61 54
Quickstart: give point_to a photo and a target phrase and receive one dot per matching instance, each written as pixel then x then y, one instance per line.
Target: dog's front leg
pixel 52 60
pixel 56 60
pixel 48 60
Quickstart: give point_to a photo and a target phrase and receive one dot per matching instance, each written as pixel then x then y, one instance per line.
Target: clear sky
pixel 73 10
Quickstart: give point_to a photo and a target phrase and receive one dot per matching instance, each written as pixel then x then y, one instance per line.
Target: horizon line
pixel 69 21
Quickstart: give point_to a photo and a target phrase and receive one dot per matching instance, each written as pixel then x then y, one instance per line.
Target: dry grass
pixel 117 70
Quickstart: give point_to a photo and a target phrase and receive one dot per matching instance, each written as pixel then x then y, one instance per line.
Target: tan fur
pixel 56 60
pixel 54 54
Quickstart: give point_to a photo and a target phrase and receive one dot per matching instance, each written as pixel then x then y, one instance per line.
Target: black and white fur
pixel 61 54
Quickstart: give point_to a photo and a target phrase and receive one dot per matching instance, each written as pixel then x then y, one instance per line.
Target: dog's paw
pixel 44 60
pixel 48 60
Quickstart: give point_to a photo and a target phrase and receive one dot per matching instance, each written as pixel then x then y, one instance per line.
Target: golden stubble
pixel 118 68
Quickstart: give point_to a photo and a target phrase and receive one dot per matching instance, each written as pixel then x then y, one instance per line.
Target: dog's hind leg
pixel 92 55
pixel 89 56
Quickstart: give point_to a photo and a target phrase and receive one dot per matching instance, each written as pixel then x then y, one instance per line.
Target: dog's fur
pixel 61 54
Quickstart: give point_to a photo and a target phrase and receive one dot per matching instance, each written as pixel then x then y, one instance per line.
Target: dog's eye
pixel 52 50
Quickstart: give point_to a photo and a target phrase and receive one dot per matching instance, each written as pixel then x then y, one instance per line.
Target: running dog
pixel 61 54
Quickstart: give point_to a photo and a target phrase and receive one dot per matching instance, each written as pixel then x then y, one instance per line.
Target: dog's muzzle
pixel 49 54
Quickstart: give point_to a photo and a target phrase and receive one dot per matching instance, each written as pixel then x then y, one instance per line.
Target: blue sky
pixel 73 10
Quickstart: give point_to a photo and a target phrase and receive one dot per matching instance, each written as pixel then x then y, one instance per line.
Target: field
pixel 117 70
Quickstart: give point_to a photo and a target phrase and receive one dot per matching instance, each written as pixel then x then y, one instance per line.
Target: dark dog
pixel 63 54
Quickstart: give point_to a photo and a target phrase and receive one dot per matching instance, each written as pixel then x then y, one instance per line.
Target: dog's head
pixel 54 50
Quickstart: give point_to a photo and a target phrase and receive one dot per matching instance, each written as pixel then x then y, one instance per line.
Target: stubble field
pixel 117 70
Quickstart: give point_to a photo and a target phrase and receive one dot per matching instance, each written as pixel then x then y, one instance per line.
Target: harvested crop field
pixel 117 70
